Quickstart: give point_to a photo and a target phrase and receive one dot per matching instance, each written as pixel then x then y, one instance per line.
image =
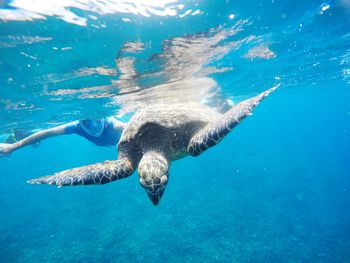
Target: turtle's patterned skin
pixel 154 137
pixel 214 132
pixel 99 173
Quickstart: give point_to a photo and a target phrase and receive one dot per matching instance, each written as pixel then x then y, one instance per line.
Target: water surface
pixel 275 190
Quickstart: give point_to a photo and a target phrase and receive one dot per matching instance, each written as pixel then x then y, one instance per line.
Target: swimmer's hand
pixel 6 149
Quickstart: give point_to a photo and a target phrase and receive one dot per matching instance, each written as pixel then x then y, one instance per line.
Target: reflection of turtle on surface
pixel 153 138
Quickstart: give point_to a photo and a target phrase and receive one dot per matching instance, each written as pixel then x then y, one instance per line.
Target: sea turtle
pixel 154 137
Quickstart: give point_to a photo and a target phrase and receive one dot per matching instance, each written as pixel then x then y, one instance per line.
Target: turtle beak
pixel 155 196
pixel 154 186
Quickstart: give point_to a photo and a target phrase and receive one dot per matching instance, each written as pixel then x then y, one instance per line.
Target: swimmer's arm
pixel 117 124
pixel 7 149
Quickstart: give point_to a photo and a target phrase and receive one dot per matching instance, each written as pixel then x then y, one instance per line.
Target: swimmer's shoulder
pixel 71 127
pixel 117 124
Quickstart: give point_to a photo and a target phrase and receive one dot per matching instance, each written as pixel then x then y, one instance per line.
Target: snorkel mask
pixel 93 127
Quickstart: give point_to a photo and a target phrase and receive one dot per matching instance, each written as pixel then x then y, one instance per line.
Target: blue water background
pixel 277 189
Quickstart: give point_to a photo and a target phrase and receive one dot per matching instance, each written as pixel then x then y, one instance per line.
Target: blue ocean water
pixel 276 189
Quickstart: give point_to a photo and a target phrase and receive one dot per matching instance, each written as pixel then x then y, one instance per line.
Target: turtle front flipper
pixel 213 133
pixel 99 173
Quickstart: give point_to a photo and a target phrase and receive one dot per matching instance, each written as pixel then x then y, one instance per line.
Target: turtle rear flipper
pixel 213 133
pixel 99 173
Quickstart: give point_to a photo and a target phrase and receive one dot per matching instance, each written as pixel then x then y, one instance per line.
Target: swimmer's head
pixel 93 127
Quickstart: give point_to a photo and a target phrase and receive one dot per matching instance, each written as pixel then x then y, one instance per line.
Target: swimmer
pixel 102 132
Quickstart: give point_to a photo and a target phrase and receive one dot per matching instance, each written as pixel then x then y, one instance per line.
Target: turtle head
pixel 153 171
